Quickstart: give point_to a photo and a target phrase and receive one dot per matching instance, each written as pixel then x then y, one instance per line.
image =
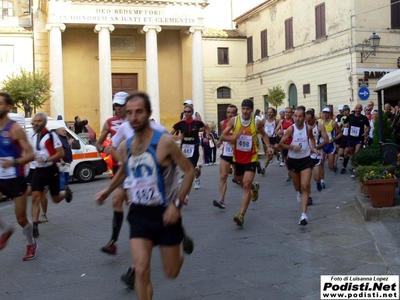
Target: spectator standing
pixel 213 142
pixel 80 125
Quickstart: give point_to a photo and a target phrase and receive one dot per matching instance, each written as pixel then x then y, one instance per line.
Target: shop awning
pixel 387 81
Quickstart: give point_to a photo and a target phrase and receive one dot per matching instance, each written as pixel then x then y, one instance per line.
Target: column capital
pixel 99 27
pixel 61 26
pixel 193 29
pixel 146 28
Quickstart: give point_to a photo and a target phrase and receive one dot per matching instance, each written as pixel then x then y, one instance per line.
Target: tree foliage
pixel 30 90
pixel 276 95
pixel 387 130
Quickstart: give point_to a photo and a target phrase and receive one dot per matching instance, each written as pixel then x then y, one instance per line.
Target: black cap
pixel 248 103
pixel 346 107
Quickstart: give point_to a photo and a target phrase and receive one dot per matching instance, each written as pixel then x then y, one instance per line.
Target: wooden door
pixel 125 82
pixel 221 115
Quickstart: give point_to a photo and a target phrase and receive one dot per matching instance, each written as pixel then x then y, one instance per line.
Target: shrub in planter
pixel 367 157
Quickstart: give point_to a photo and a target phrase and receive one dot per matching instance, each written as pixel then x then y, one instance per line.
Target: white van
pixel 87 162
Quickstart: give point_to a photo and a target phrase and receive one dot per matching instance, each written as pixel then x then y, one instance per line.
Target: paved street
pixel 271 257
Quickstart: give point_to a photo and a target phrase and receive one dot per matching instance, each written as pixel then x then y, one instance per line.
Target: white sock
pixel 304 216
pixel 322 180
pixel 28 231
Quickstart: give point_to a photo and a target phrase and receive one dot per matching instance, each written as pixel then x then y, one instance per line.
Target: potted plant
pixel 381 185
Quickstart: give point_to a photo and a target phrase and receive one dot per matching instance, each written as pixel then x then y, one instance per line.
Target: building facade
pixel 16 38
pixel 94 49
pixel 318 50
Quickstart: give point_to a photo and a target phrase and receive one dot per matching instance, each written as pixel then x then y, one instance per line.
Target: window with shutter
pixel 320 29
pixel 264 44
pixel 249 49
pixel 223 56
pixel 289 34
pixel 395 14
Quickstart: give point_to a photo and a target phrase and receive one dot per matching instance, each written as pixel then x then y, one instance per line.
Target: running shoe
pixel 353 174
pixel 263 171
pixel 310 202
pixel 271 161
pixel 43 218
pixel 343 171
pixel 197 183
pixel 129 278
pixel 319 186
pixel 303 221
pixel 288 178
pixel 254 192
pixel 299 197
pixel 219 203
pixel 188 244
pixel 68 195
pixel 35 232
pixel 4 238
pixel 239 219
pixel 282 164
pixel 335 170
pixel 30 252
pixel 258 167
pixel 323 184
pixel 110 248
pixel 235 181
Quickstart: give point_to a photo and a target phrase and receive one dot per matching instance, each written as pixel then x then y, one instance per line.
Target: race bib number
pixel 8 172
pixel 346 131
pixel 144 191
pixel 244 143
pixel 355 131
pixel 228 149
pixel 188 150
pixel 270 131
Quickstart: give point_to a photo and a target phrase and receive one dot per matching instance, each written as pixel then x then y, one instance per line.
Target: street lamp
pixel 372 42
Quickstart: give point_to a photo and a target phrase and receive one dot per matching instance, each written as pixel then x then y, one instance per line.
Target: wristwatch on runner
pixel 178 203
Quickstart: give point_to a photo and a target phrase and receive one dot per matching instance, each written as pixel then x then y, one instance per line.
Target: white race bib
pixel 144 191
pixel 228 149
pixel 345 131
pixel 7 173
pixel 188 150
pixel 244 143
pixel 355 131
pixel 270 131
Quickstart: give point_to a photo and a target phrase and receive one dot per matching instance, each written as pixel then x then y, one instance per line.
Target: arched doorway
pixel 292 96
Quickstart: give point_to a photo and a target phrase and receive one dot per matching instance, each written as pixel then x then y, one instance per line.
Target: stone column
pixel 197 70
pixel 105 82
pixel 56 70
pixel 152 69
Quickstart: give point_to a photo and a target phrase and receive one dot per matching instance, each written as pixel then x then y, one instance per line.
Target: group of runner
pixel 146 176
pixel 302 140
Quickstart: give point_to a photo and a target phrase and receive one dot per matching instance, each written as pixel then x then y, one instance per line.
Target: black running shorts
pixel 240 169
pixel 46 176
pixel 229 159
pixel 147 222
pixel 14 187
pixel 299 164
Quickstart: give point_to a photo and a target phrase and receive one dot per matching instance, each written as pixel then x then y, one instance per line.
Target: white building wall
pixel 21 57
pixel 334 60
pixel 216 76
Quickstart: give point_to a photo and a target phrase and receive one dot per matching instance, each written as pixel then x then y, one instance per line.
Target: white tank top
pixel 300 138
pixel 269 128
pixel 317 139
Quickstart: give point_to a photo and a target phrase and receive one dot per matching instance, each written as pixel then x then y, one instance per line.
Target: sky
pixel 219 13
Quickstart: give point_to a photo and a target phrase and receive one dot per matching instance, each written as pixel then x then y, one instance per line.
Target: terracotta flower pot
pixel 381 191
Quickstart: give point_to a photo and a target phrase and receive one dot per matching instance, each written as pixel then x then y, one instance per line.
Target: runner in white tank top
pixel 299 162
